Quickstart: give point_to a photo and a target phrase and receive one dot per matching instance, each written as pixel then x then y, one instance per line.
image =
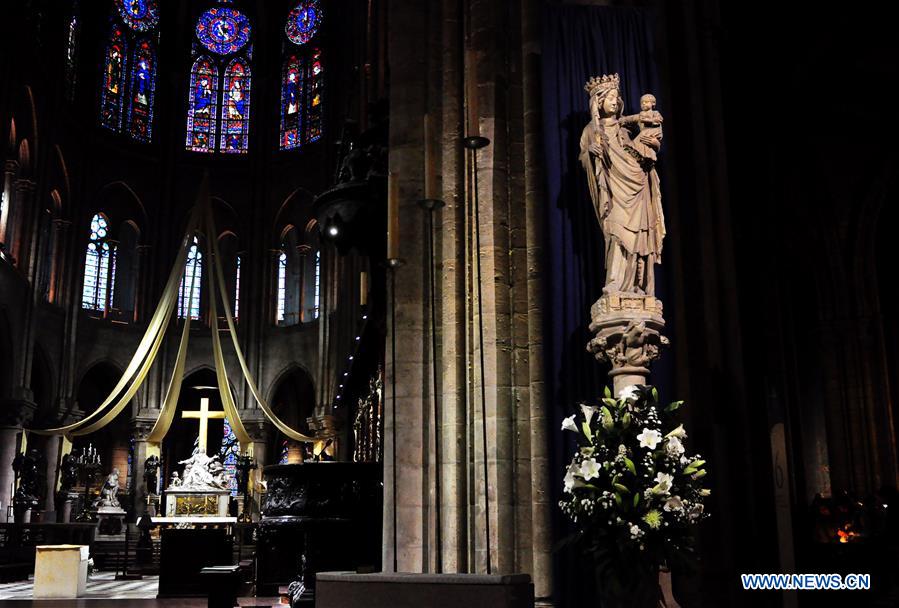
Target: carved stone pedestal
pixel 111 524
pixel 628 335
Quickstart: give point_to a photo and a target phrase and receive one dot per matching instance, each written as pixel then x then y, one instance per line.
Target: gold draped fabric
pixel 139 366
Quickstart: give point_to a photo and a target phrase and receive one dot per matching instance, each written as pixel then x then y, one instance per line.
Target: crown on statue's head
pixel 601 83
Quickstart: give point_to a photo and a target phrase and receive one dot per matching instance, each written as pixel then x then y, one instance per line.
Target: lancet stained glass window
pixel 302 78
pixel 236 107
pixel 112 94
pixel 221 81
pixel 229 452
pixel 99 267
pixel 317 294
pixel 143 88
pixel 201 112
pixel 189 292
pixel 129 70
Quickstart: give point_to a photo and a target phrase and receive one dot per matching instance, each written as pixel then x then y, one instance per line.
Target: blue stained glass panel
pixel 201 108
pixel 112 91
pixel 139 15
pixel 223 30
pixel 303 22
pixel 143 90
pixel 236 108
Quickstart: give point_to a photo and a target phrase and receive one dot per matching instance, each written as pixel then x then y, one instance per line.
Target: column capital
pixel 25 185
pixel 11 166
pixel 17 412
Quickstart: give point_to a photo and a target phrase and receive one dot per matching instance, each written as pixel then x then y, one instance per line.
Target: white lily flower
pixel 663 483
pixel 674 447
pixel 679 432
pixel 569 425
pixel 649 439
pixel 589 469
pixel 629 393
pixel 674 504
pixel 571 482
pixel 589 412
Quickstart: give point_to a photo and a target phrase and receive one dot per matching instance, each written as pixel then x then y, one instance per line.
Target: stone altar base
pixel 60 571
pixel 193 503
pixel 627 330
pixel 110 524
pixel 406 590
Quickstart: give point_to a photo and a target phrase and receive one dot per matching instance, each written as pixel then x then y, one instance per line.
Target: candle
pixel 471 78
pixel 393 216
pixel 430 167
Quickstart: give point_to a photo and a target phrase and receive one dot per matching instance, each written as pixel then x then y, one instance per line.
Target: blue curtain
pixel 580 42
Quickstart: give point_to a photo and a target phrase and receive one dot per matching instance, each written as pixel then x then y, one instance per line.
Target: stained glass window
pixel 282 287
pixel 223 30
pixel 315 80
pixel 229 452
pixel 143 88
pixel 139 15
pixel 317 293
pixel 99 278
pixel 236 107
pixel 201 106
pixel 303 22
pixel 189 292
pixel 291 98
pixel 72 30
pixel 237 289
pixel 302 78
pixel 112 94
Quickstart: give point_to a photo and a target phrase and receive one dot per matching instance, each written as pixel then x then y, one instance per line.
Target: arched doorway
pixel 293 402
pixel 113 442
pixel 178 443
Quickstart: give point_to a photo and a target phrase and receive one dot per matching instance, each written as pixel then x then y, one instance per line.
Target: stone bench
pixel 408 590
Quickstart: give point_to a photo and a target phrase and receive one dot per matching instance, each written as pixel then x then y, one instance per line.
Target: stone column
pixel 23 233
pixel 6 222
pixel 143 281
pixel 258 430
pixel 57 262
pixel 7 476
pixel 52 454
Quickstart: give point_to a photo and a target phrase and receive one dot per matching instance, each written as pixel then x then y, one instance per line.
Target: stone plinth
pixel 60 571
pixel 196 503
pixel 627 330
pixel 110 523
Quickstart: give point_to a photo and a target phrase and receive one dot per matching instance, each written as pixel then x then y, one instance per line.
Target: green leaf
pixel 587 432
pixel 655 394
pixel 626 420
pixel 606 391
pixel 636 499
pixel 621 488
pixel 699 474
pixel 674 406
pixel 630 465
pixel 610 402
pixel 618 499
pixel 697 463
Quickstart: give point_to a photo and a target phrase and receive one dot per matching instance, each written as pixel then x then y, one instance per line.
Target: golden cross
pixel 204 415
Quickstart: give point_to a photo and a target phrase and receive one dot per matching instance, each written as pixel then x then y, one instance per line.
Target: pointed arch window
pixel 218 114
pixel 129 70
pixel 317 286
pixel 301 78
pixel 112 94
pixel 201 106
pixel 189 292
pixel 236 107
pixel 99 267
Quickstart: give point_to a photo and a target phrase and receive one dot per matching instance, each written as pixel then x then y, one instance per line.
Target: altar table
pixel 60 571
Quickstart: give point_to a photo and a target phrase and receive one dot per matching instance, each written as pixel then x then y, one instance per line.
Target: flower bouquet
pixel 632 491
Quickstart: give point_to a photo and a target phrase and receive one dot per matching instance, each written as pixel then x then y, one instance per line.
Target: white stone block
pixel 60 571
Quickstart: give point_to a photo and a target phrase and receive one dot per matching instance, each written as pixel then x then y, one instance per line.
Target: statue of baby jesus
pixel 649 121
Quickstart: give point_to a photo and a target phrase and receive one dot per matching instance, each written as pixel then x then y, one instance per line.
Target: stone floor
pixel 100 585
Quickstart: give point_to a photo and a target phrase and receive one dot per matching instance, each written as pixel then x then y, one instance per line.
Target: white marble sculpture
pixel 202 472
pixel 108 493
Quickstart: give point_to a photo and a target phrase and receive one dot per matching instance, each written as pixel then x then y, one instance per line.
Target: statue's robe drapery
pixel 628 204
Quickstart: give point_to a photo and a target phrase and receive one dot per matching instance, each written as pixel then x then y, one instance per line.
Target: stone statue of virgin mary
pixel 618 153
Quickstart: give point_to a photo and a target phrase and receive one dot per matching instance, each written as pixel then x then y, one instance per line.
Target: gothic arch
pixel 296 209
pixel 281 376
pixel 119 201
